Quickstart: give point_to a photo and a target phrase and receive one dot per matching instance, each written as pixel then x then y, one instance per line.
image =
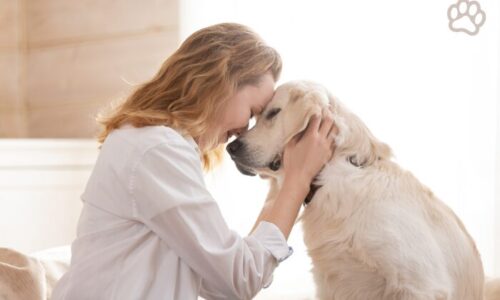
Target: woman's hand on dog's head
pixel 307 153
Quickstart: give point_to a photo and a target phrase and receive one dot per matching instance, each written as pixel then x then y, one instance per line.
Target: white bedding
pixel 31 276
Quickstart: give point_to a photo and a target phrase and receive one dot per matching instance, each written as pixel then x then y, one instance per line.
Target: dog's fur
pixel 372 230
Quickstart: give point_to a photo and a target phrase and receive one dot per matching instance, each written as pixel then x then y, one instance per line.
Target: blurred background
pixel 431 93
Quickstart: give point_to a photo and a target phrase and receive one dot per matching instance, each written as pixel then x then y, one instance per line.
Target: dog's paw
pixel 466 16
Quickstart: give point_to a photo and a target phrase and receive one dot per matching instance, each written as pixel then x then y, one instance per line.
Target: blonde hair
pixel 195 82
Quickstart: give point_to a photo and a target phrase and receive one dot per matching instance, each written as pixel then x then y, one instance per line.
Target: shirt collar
pixel 192 142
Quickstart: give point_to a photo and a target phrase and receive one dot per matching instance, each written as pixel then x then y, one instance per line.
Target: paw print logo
pixel 466 16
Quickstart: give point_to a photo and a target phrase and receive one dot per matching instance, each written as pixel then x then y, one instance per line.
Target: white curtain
pixel 432 94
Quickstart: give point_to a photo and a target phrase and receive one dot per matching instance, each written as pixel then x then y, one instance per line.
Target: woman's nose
pixel 241 130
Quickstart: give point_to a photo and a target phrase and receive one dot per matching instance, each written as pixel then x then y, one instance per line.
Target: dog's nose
pixel 234 147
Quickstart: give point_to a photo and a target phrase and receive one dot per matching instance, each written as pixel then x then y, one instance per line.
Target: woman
pixel 149 229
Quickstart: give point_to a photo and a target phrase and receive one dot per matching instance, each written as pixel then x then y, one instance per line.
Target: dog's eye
pixel 273 113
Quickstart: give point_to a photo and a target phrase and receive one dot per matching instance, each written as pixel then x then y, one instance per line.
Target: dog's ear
pixel 364 146
pixel 308 108
pixel 354 139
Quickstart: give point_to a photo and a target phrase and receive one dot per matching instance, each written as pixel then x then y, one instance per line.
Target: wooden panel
pixel 13 124
pixel 9 80
pixel 95 71
pixel 9 17
pixel 61 21
pixel 12 121
pixel 76 121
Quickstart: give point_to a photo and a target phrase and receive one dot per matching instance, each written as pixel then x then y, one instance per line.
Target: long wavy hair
pixel 194 84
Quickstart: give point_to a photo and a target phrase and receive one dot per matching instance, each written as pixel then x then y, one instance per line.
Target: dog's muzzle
pixel 244 170
pixel 235 150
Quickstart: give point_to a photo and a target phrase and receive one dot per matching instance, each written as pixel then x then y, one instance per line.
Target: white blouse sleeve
pixel 170 198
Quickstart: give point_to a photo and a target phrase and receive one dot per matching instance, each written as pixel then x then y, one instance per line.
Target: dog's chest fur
pixel 379 227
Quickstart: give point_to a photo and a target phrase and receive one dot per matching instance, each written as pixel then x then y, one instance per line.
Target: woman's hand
pixel 305 155
pixel 303 158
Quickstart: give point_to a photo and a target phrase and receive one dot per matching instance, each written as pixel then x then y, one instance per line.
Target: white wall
pixel 430 93
pixel 41 181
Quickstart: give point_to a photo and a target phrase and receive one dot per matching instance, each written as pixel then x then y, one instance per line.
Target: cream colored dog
pixel 372 230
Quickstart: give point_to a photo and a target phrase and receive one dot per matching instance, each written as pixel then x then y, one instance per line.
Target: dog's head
pixel 259 150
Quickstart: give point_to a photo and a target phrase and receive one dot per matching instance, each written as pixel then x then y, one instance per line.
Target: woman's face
pixel 248 101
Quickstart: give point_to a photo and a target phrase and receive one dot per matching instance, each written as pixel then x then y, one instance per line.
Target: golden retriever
pixel 372 230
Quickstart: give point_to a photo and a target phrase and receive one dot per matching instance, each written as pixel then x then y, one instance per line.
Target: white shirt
pixel 149 229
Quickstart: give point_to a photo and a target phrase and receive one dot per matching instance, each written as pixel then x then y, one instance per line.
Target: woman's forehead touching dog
pixel 259 150
pixel 300 100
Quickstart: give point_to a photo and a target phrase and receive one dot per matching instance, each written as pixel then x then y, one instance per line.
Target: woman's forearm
pixel 283 210
pixel 271 196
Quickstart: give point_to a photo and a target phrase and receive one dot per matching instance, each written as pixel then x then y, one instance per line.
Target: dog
pixel 372 230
